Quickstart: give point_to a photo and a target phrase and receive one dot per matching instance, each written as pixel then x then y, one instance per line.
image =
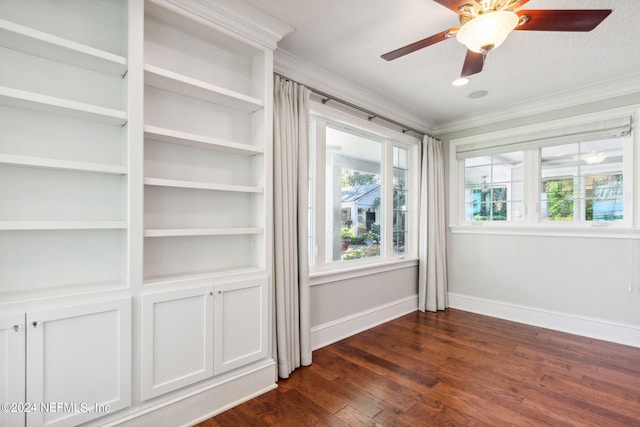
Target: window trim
pixel 532 225
pixel 389 138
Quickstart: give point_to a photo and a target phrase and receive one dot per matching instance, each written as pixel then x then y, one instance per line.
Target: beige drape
pixel 432 271
pixel 290 247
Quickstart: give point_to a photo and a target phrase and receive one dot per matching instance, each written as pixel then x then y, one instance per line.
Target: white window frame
pixel 531 223
pixel 322 271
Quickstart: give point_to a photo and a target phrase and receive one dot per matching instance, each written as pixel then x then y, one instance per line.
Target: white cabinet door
pixel 177 339
pixel 12 369
pixel 79 362
pixel 241 324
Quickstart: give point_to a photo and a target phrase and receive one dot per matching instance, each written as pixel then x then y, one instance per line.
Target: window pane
pixel 399 242
pixel 603 198
pixel 353 196
pixel 400 180
pixel 557 201
pixel 493 187
pixel 582 181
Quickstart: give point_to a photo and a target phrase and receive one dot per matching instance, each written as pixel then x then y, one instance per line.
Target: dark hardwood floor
pixel 454 368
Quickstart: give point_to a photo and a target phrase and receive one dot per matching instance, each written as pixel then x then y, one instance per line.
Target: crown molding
pixel 600 92
pixel 315 77
pixel 236 17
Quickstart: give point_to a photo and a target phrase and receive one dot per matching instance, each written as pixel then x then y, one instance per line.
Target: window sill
pixel 336 274
pixel 585 231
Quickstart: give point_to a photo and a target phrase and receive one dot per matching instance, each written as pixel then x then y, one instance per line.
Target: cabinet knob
pixel 211 293
pixel 219 291
pixel 35 324
pixel 16 328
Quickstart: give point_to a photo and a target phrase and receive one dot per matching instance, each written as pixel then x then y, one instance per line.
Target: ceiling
pixel 346 38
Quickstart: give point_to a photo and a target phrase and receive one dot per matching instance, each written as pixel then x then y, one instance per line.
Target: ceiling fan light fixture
pixel 594 158
pixel 487 31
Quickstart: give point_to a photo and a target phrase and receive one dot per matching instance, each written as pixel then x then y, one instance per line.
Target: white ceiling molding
pixel 238 18
pixel 595 93
pixel 309 74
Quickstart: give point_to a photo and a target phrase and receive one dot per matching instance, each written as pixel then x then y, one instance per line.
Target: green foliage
pixel 357 240
pixel 374 233
pixel 359 252
pixel 351 255
pixel 559 199
pixel 346 233
pixel 351 178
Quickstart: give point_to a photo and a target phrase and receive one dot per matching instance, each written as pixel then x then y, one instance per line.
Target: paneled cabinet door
pixel 241 324
pixel 79 362
pixel 177 339
pixel 12 374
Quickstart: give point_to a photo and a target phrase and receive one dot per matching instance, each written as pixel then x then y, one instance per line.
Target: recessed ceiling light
pixel 460 82
pixel 478 94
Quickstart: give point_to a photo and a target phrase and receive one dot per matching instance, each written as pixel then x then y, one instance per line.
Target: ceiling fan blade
pixel 562 20
pixel 418 45
pixel 473 63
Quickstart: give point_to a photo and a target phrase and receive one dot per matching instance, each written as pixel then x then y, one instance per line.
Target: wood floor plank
pixel 382 390
pixel 353 417
pixel 454 368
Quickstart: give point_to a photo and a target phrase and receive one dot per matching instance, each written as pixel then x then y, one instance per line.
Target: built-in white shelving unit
pixel 135 207
pixel 63 205
pixel 63 168
pixel 205 95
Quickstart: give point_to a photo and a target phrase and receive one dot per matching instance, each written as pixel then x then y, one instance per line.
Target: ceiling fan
pixel 485 24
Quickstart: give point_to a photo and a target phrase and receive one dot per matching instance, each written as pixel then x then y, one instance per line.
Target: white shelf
pixel 160 182
pixel 25 39
pixel 184 232
pixel 47 163
pixel 198 141
pixel 63 290
pixel 200 275
pixel 61 225
pixel 11 97
pixel 184 85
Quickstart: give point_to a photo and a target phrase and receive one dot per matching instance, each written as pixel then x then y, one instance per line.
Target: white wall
pixel 344 307
pixel 588 286
pixel 573 275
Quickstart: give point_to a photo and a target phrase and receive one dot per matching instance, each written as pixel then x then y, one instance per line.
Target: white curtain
pixel 432 273
pixel 290 201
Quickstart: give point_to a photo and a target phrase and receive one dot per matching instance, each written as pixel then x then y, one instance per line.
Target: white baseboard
pixel 196 406
pixel 334 331
pixel 564 322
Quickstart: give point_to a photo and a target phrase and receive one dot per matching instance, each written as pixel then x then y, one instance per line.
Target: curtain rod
pixel 370 114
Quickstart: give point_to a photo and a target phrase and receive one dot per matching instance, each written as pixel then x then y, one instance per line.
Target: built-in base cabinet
pixel 241 324
pixel 12 367
pixel 66 365
pixel 177 339
pixel 195 333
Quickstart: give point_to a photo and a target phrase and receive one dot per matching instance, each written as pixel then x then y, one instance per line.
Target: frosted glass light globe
pixel 487 31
